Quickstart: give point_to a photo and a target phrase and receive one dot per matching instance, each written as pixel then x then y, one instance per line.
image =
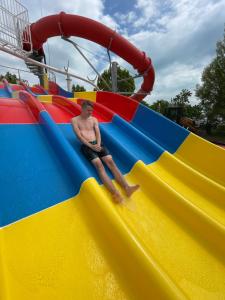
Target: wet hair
pixel 86 103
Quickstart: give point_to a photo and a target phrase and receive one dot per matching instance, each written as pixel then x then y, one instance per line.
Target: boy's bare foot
pixel 131 189
pixel 117 198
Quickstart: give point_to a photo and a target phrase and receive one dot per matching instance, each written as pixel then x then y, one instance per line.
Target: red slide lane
pixel 74 25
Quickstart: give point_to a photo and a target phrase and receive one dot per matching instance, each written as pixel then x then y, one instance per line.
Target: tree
pixel 11 78
pixel 163 107
pixel 145 103
pixel 193 112
pixel 212 90
pixel 181 99
pixel 78 88
pixel 122 85
pixel 160 106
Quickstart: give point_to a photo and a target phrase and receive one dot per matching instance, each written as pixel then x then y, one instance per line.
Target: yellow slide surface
pixel 161 244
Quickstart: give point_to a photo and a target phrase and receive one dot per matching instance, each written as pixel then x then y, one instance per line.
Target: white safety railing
pixel 37 63
pixel 14 26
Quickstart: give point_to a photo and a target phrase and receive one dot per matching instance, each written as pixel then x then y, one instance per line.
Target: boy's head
pixel 87 108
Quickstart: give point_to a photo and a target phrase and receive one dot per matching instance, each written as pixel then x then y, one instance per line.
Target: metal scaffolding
pixel 14 26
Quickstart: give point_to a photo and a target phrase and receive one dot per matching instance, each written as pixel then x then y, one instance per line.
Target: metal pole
pixel 19 75
pixel 114 76
pixel 69 81
pixel 41 76
pixel 90 64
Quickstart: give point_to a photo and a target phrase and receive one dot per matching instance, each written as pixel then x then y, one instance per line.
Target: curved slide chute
pixel 55 89
pixel 72 25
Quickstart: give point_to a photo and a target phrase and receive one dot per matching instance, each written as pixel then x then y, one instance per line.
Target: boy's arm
pixel 97 132
pixel 78 133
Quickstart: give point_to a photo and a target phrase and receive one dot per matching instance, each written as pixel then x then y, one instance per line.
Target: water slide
pixel 73 25
pixel 5 89
pixel 55 89
pixel 3 92
pixel 61 235
pixel 38 90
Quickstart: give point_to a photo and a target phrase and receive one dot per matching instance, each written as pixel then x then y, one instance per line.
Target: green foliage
pixel 193 112
pixel 145 103
pixel 78 88
pixel 123 86
pixel 181 99
pixel 212 90
pixel 160 106
pixel 11 78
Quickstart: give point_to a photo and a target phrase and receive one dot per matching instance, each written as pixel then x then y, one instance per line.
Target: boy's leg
pixel 118 176
pixel 106 180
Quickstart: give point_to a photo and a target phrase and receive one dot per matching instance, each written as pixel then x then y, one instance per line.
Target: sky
pixel 178 35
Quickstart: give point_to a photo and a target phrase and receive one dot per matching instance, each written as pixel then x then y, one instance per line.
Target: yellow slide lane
pixel 84 250
pixel 204 157
pixel 53 254
pixel 180 238
pixel 158 245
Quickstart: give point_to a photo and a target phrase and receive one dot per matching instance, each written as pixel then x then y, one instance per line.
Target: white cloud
pixel 185 45
pixel 93 9
pixel 150 8
pixel 126 19
pixel 173 79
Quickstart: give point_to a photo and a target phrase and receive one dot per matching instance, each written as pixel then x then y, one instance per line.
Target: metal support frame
pixel 68 79
pixel 114 76
pixel 86 59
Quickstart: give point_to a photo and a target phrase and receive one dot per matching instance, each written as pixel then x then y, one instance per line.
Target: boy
pixel 87 130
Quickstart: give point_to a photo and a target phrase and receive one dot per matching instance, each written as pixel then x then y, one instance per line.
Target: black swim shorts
pixel 91 154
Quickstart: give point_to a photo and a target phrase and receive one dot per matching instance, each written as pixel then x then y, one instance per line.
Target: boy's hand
pixel 96 148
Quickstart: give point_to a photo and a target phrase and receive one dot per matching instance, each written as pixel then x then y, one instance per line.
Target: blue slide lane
pixel 38 178
pixel 6 92
pixel 164 132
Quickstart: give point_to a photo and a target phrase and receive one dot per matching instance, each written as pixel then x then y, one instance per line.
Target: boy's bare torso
pixel 87 127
